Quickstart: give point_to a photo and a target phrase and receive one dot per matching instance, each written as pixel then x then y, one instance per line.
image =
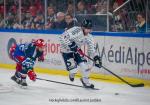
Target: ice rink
pixel 48 93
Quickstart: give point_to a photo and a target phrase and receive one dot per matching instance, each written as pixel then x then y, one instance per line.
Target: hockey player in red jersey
pixel 25 56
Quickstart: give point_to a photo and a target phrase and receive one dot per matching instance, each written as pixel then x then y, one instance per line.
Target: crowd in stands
pixel 64 14
pixel 127 18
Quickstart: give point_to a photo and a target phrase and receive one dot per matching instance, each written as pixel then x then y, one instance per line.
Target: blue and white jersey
pixel 76 35
pixel 28 50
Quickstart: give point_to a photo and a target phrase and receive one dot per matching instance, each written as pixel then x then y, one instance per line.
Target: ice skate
pixel 16 79
pixel 23 83
pixel 71 76
pixel 86 83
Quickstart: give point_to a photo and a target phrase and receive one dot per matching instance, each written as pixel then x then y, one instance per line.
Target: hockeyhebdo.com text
pixel 59 100
pixel 126 55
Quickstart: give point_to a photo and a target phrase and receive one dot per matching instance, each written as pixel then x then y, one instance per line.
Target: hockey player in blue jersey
pixel 70 43
pixel 25 56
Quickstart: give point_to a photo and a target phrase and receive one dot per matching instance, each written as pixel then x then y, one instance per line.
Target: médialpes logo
pixel 126 55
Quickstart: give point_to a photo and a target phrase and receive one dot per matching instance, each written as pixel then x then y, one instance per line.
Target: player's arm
pixel 92 52
pixel 70 38
pixel 90 46
pixel 75 35
pixel 68 41
pixel 23 47
pixel 41 57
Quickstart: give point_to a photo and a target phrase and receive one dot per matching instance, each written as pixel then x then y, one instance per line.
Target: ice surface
pixel 48 93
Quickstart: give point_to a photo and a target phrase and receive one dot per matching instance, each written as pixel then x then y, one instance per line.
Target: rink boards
pixel 126 54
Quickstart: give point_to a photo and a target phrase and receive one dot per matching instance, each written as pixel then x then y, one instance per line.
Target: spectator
pixel 13 9
pixel 10 18
pixel 70 9
pixel 38 21
pixel 48 26
pixel 39 6
pixel 2 10
pixel 119 2
pixel 16 24
pixel 1 21
pixel 60 22
pixel 38 26
pixel 104 7
pixel 118 21
pixel 69 21
pixel 81 8
pixel 32 10
pixel 98 7
pixel 141 25
pixel 26 19
pixel 51 17
pixel 115 5
pixel 27 26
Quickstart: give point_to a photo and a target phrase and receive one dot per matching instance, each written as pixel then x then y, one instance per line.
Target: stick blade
pixel 138 85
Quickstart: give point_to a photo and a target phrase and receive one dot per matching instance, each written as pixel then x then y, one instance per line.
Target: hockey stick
pixel 65 83
pixel 132 85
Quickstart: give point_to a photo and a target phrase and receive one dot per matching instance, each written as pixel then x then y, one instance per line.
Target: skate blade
pixel 23 87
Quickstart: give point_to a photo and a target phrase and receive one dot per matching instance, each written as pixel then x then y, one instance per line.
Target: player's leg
pixel 22 70
pixel 71 65
pixel 27 70
pixel 72 74
pixel 17 76
pixel 85 71
pixel 23 74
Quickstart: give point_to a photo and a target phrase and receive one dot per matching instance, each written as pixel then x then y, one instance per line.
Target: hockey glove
pixel 31 75
pixel 98 61
pixel 28 63
pixel 73 47
pixel 41 58
pixel 80 52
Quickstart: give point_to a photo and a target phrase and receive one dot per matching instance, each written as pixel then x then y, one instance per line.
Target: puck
pixel 116 93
